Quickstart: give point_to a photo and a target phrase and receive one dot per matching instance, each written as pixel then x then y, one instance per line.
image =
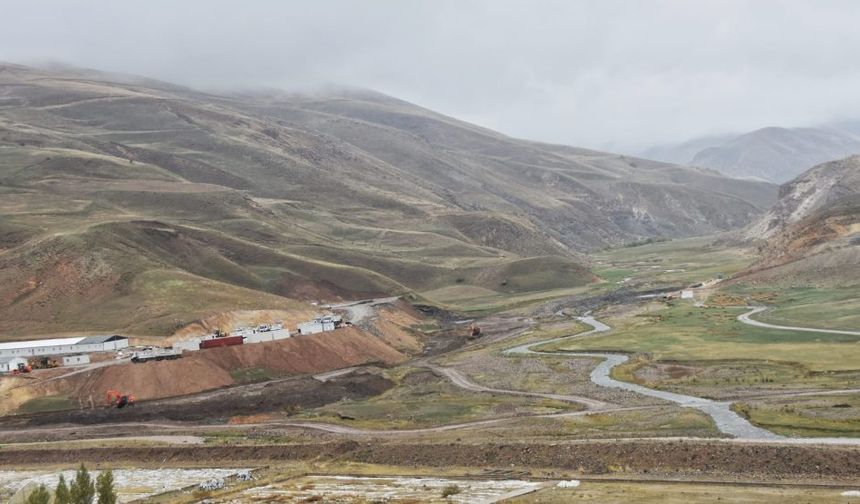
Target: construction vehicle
pixel 22 369
pixel 116 399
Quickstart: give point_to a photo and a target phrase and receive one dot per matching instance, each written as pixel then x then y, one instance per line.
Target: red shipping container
pixel 219 342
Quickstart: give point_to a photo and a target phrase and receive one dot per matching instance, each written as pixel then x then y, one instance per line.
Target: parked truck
pixel 156 354
pixel 221 342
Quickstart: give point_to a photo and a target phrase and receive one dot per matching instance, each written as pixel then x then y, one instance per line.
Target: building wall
pixel 187 346
pixel 311 328
pixel 267 336
pixel 73 360
pixel 6 367
pixel 64 349
pixel 281 334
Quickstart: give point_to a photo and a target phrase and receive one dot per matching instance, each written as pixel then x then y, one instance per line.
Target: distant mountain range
pixel 773 154
pixel 137 205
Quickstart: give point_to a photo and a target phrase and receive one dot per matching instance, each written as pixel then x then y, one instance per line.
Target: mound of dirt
pixel 316 353
pixel 209 369
pixel 392 324
pixel 397 336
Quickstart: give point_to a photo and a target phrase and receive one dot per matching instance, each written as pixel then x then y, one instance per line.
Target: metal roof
pixel 93 340
pixel 81 340
pixel 40 343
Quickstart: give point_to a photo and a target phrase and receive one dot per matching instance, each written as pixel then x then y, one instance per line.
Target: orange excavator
pixel 116 399
pixel 22 369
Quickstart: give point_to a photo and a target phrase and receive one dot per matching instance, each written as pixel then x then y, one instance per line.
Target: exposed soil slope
pixel 234 405
pixel 813 233
pixel 209 369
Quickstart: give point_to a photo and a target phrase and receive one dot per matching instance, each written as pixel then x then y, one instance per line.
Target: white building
pixel 686 294
pixel 76 360
pixel 260 337
pixel 9 364
pixel 191 345
pixel 63 346
pixel 320 324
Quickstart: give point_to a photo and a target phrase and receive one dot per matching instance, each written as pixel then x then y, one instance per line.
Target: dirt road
pixel 745 318
pixel 726 420
pixel 360 310
pixel 460 380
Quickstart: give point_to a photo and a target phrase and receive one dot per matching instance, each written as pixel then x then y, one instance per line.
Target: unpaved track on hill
pixel 460 380
pixel 360 310
pixel 745 318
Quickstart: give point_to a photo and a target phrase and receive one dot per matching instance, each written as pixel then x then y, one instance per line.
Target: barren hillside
pixel 138 206
pixel 812 235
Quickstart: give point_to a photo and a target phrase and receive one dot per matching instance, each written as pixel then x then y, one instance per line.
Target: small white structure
pixel 320 324
pixel 63 346
pixel 75 360
pixel 686 294
pixel 9 364
pixel 274 335
pixel 240 331
pixel 191 345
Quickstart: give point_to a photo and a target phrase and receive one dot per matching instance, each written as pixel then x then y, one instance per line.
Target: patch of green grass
pixel 672 262
pixel 684 332
pixel 831 308
pixel 727 379
pixel 657 422
pixel 47 403
pixel 615 275
pixel 483 305
pixel 808 416
pixel 421 399
pixel 251 375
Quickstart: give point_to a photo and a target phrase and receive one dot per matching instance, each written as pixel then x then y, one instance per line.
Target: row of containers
pixel 259 334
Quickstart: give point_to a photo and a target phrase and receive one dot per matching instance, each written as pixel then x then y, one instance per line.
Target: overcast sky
pixel 616 75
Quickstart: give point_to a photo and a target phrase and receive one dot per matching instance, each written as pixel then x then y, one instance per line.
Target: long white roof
pixel 40 343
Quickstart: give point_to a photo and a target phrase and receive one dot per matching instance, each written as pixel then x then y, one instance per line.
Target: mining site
pixel 429 251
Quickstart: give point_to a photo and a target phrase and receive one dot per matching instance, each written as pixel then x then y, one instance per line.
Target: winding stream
pixel 726 420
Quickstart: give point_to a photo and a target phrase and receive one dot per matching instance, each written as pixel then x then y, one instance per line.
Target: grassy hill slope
pixel 119 193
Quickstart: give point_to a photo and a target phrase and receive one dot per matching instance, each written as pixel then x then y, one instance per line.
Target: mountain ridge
pixel 812 235
pixel 774 154
pixel 269 197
